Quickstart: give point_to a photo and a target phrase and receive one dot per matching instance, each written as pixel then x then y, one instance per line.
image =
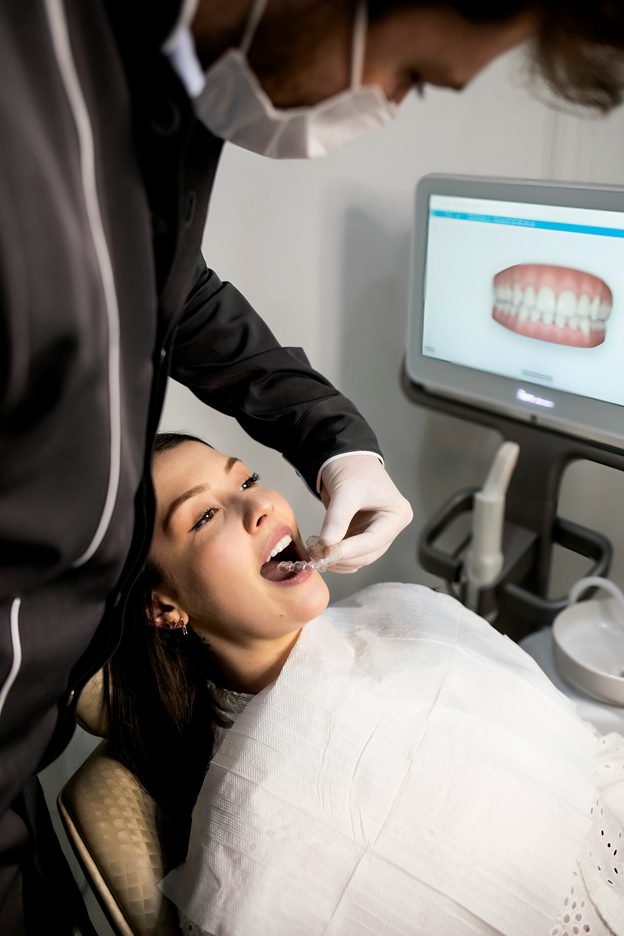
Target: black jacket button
pixel 164 116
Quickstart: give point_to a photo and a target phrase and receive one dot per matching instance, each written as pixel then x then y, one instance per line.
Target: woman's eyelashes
pixel 251 480
pixel 208 515
pixel 205 518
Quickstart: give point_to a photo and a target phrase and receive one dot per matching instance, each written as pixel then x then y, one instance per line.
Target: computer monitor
pixel 517 301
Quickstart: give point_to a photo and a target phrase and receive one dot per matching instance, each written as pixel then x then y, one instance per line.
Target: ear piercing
pixel 180 624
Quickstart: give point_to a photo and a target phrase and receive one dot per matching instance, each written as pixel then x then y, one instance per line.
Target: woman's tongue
pixel 271 570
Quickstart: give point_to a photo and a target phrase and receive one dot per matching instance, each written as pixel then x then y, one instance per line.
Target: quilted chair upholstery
pixel 122 839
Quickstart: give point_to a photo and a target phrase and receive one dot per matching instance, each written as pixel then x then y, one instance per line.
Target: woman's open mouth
pixel 285 549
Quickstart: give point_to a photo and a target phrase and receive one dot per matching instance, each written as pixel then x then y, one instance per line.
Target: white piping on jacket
pixel 62 49
pixel 17 653
pixel 188 9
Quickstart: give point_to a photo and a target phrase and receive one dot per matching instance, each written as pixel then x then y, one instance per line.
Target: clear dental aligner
pixel 307 565
pixel 553 303
pixel 311 565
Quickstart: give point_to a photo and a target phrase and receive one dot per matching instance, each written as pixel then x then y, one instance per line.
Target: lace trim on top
pixel 189 928
pixel 594 905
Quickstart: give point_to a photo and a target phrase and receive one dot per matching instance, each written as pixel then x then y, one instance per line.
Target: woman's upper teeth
pixel 280 545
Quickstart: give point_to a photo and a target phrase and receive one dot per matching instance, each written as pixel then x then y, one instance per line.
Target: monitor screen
pixel 518 300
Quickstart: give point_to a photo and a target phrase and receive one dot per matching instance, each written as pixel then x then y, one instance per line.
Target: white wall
pixel 321 249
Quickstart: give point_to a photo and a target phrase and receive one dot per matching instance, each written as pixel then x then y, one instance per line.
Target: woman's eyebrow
pixel 178 501
pixel 192 492
pixel 230 463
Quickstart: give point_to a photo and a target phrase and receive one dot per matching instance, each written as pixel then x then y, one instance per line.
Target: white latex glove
pixel 365 512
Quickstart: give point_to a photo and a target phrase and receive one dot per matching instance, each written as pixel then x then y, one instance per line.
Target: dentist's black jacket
pixel 90 328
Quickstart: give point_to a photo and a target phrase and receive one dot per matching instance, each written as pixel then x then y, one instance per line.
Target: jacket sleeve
pixel 226 354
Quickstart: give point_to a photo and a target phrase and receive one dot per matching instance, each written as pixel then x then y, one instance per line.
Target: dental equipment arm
pixel 485 556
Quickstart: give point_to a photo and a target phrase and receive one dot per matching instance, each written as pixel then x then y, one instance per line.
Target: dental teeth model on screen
pixel 552 303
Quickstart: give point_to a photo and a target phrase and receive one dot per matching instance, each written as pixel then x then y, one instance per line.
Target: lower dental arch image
pixel 559 304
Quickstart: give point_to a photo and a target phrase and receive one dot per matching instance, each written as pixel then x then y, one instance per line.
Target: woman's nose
pixel 259 509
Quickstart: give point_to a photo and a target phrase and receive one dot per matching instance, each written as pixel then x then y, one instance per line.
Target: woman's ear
pixel 166 613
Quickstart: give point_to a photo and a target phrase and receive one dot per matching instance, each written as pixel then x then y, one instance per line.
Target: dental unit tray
pixel 516 323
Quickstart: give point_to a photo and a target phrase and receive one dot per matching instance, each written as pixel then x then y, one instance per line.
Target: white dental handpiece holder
pixel 484 560
pixel 519 595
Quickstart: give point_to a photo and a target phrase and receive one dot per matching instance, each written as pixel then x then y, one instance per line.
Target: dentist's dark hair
pixel 159 708
pixel 578 48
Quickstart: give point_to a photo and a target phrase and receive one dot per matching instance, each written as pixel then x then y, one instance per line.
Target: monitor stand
pixel 519 597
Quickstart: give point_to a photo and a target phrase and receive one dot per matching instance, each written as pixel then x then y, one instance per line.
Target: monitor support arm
pixel 532 526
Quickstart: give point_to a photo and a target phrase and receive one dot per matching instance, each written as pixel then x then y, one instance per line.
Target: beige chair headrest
pixel 90 711
pixel 125 844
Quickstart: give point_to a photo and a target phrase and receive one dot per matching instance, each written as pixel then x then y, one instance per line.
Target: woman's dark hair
pixel 578 49
pixel 159 707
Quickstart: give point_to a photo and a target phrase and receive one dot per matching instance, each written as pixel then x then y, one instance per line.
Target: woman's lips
pixel 279 533
pixel 272 573
pixel 270 569
pixel 552 303
pixel 294 578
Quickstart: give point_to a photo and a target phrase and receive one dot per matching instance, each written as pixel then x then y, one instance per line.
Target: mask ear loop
pixel 255 15
pixel 358 51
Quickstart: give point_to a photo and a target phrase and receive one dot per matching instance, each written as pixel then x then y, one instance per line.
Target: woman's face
pixel 216 528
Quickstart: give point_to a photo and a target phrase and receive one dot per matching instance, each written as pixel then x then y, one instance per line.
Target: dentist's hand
pixel 365 512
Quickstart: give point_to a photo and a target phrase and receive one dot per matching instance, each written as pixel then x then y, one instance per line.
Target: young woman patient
pixel 389 765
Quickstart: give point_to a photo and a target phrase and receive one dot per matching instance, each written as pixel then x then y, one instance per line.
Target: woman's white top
pixel 411 771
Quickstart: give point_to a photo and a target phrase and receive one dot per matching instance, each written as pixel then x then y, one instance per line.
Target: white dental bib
pixel 411 771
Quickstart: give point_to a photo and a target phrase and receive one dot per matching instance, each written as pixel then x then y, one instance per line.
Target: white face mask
pixel 234 106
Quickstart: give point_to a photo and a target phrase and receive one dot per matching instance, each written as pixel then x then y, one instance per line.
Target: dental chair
pixel 123 841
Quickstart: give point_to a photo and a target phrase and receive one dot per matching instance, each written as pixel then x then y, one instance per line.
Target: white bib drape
pixel 410 772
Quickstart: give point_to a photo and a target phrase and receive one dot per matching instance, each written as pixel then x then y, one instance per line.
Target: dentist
pixel 112 117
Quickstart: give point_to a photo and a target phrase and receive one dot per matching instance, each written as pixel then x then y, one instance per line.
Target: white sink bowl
pixel 588 643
